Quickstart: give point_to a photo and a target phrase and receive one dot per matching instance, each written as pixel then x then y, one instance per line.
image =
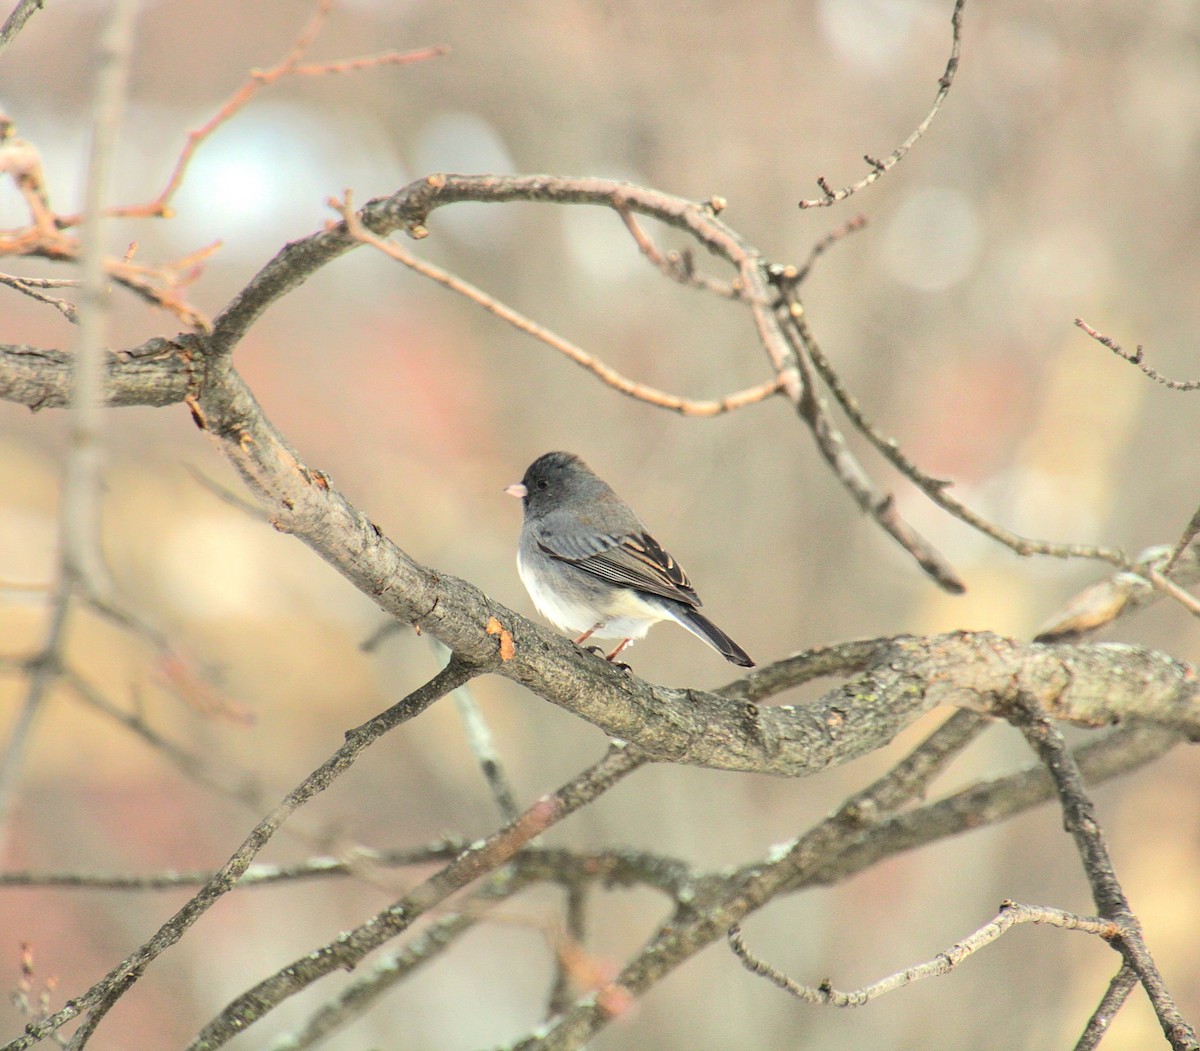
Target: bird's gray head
pixel 554 478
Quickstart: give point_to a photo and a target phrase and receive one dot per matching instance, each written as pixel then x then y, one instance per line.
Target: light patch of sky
pixel 932 241
pixel 268 173
pixel 62 145
pixel 214 567
pixel 261 179
pixel 465 143
pixel 870 33
pixel 28 544
pixel 599 246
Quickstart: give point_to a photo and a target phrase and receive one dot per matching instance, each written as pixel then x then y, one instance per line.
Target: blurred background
pixel 1059 180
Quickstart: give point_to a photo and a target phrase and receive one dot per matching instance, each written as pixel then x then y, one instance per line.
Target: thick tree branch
pixel 1090 685
pixel 159 372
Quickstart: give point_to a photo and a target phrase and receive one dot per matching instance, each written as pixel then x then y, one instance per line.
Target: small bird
pixel 590 566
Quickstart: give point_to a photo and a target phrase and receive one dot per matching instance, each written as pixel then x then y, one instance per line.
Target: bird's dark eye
pixel 542 483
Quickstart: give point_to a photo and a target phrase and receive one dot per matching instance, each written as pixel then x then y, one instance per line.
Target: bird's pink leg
pixel 617 652
pixel 588 634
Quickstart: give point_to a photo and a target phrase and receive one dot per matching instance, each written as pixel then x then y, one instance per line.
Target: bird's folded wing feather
pixel 633 561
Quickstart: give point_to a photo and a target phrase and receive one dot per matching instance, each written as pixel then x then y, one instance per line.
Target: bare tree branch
pixel 1136 358
pixel 157 373
pixel 1119 988
pixel 349 948
pixel 879 168
pixel 30 286
pixel 606 373
pixel 17 19
pixel 853 839
pixel 101 996
pixel 1080 821
pixel 81 565
pixel 1011 914
pixel 881 685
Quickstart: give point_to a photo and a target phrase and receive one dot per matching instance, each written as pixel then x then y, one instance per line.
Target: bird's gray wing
pixel 635 560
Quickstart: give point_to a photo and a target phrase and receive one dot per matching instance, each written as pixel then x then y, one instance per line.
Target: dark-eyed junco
pixel 590 566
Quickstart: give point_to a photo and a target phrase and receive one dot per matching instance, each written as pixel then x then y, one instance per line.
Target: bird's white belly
pixel 628 615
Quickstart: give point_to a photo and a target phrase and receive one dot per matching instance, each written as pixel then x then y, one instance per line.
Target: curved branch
pixel 17 19
pixel 410 208
pixel 606 373
pixel 686 726
pixel 1011 914
pixel 1092 685
pixel 1136 358
pixel 879 168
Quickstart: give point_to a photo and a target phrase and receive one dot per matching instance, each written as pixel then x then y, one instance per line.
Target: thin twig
pixel 355 999
pixel 878 167
pixel 257 875
pixel 1136 359
pixel 81 564
pixel 42 669
pixel 678 266
pixel 1010 915
pixel 1183 544
pixel 936 489
pixel 605 868
pixel 30 286
pixel 483 748
pixel 288 66
pixel 226 495
pixel 1168 587
pixel 22 999
pixel 797 275
pixel 568 948
pixel 663 399
pixel 39 282
pixel 846 468
pixel 1122 593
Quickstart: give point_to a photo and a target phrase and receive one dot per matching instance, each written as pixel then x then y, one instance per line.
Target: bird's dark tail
pixel 705 629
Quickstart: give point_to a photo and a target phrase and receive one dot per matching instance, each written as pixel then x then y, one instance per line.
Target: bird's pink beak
pixel 517 490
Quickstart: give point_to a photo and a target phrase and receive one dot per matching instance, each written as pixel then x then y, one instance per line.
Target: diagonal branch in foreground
pixel 488 854
pixel 100 997
pixel 905 678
